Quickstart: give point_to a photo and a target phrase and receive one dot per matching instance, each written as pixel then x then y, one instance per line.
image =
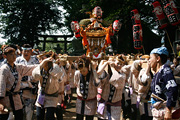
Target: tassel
pixel 84 40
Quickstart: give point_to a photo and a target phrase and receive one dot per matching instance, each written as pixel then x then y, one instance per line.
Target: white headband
pixel 26 48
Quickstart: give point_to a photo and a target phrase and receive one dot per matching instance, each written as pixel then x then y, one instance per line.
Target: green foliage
pixel 22 19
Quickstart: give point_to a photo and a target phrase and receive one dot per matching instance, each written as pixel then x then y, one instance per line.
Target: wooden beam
pixel 65 44
pixel 58 36
pixel 54 41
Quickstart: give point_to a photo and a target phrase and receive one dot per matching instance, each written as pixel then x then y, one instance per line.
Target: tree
pixel 23 19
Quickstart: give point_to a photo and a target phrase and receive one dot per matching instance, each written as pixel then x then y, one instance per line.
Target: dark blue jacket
pixel 164 86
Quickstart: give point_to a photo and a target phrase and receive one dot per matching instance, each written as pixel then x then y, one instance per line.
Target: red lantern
pixel 173 5
pixel 75 28
pixel 137 36
pixel 137 29
pixel 172 13
pixel 160 17
pixel 117 25
pixel 135 17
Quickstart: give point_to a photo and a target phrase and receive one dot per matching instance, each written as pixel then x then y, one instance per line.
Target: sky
pixel 2 41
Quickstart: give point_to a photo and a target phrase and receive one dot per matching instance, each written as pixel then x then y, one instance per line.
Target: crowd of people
pixel 31 80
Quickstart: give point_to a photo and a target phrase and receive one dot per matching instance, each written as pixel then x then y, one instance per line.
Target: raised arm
pixel 93 67
pixel 102 66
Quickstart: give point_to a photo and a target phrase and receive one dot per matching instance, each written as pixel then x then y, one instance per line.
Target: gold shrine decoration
pixel 95 36
pixel 96 33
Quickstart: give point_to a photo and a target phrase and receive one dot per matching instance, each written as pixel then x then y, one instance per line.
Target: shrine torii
pixel 55 40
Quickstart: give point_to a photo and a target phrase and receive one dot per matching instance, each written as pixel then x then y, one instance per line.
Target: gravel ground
pixel 70 113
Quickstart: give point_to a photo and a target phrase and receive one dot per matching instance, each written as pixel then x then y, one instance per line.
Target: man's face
pixel 175 61
pixel 153 60
pixel 118 65
pixel 84 71
pixel 11 57
pixel 27 53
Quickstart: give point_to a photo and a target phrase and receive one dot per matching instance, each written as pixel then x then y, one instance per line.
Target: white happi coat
pixel 7 80
pixel 91 102
pixel 70 78
pixel 25 84
pixel 144 86
pixel 62 80
pixel 52 85
pixel 118 81
pixel 126 69
pixel 176 70
pixel 133 81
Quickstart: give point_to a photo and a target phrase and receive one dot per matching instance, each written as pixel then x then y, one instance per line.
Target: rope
pixel 143 49
pixel 170 43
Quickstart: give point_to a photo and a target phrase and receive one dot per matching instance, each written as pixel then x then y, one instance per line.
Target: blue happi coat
pixel 164 86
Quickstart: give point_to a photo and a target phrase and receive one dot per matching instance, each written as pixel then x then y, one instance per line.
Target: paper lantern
pixel 135 17
pixel 159 15
pixel 75 28
pixel 117 25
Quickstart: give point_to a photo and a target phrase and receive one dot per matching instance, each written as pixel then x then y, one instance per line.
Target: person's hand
pixel 103 62
pixel 111 63
pixel 43 63
pixel 168 114
pixel 57 62
pixel 1 107
pixel 94 65
pixel 148 67
pixel 172 67
pixel 141 62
